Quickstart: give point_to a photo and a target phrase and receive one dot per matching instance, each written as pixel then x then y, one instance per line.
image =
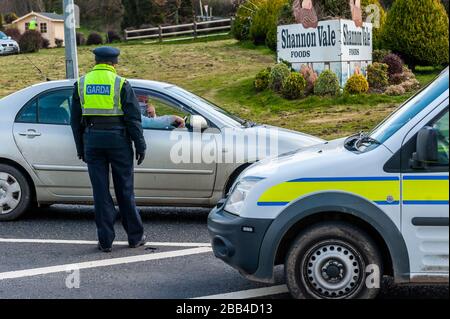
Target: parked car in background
pixel 8 45
pixel 39 163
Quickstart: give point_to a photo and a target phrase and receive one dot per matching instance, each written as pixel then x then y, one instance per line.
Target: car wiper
pixel 363 139
pixel 248 124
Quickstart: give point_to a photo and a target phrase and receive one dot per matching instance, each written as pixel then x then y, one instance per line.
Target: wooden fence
pixel 188 31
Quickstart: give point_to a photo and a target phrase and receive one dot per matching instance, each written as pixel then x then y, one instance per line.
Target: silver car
pixel 8 45
pixel 39 164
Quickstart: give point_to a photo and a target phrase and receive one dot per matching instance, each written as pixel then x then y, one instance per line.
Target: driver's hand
pixel 179 122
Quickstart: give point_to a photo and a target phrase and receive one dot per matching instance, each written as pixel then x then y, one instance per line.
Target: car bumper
pixel 9 50
pixel 236 240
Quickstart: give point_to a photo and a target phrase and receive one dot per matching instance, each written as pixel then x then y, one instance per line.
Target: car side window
pixel 29 113
pixel 49 108
pixel 54 107
pixel 442 128
pixel 159 112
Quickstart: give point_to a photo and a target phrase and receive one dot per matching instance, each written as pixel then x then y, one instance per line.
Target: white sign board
pixel 336 44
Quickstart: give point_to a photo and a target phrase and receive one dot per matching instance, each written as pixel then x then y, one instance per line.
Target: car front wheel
pixel 15 194
pixel 333 260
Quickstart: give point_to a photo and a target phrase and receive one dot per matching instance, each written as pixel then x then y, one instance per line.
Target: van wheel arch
pixel 317 218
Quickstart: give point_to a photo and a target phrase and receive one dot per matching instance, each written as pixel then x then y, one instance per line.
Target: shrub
pixel 399 78
pixel 59 43
pixel 377 76
pixel 277 76
pixel 81 40
pixel 94 39
pixel 1 22
pixel 310 76
pixel 10 17
pixel 411 85
pixel 264 22
pixel 395 90
pixel 356 84
pixel 395 64
pixel 13 33
pixel 113 36
pixel 379 55
pixel 327 84
pixel 242 22
pixel 262 79
pixel 419 31
pixel 30 41
pixel 45 44
pixel 294 86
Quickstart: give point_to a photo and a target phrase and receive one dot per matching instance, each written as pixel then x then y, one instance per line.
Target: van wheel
pixel 15 194
pixel 333 261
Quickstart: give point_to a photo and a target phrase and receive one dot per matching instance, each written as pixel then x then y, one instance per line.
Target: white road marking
pixel 252 293
pixel 102 263
pixel 89 242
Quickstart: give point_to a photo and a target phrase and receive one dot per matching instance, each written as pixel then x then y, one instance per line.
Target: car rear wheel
pixel 15 194
pixel 333 261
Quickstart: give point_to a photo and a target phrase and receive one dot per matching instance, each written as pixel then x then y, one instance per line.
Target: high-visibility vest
pixel 33 25
pixel 99 92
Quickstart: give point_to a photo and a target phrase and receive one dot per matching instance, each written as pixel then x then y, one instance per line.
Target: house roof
pixel 52 16
pixel 44 15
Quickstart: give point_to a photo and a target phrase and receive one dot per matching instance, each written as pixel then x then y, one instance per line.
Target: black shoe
pixel 142 242
pixel 105 250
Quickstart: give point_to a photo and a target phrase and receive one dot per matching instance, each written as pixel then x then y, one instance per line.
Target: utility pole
pixel 70 39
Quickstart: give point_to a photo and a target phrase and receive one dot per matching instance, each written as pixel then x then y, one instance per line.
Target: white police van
pixel 341 214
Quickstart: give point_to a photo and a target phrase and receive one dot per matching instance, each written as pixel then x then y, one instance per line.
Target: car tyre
pixel 333 260
pixel 15 193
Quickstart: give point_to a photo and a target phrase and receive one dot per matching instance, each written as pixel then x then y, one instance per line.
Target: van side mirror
pixel 197 123
pixel 426 148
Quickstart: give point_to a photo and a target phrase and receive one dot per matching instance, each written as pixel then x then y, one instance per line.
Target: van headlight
pixel 239 194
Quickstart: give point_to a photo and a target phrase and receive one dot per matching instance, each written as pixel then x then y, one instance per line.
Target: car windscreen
pixel 3 36
pixel 411 108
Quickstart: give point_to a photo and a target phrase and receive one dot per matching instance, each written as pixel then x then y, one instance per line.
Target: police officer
pixel 106 119
pixel 32 26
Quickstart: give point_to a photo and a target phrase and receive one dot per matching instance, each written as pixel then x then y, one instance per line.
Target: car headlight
pixel 239 194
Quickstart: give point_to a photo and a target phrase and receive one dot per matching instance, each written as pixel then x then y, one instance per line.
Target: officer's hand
pixel 81 157
pixel 140 157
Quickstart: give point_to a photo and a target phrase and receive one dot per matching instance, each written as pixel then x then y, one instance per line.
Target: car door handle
pixel 30 133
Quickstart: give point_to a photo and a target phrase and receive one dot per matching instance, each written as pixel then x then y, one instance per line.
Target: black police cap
pixel 107 54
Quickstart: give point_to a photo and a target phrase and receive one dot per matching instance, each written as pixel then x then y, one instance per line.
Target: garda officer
pixel 106 119
pixel 33 24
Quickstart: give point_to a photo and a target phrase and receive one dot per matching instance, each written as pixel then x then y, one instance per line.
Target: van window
pixel 411 109
pixel 441 126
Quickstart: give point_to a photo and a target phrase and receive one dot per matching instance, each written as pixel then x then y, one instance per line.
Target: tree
pixel 418 31
pixel 102 15
pixel 21 7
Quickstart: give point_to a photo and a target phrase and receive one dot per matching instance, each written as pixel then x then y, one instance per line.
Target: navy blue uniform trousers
pixel 105 151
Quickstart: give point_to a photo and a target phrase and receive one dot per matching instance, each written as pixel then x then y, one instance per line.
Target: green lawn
pixel 221 71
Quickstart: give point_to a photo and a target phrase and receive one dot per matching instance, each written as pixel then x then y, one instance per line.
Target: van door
pixel 425 209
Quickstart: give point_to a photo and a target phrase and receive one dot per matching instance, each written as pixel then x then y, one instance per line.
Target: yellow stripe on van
pixel 425 190
pixel 382 190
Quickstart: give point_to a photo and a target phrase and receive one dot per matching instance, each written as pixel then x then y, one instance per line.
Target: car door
pixel 164 176
pixel 425 210
pixel 43 134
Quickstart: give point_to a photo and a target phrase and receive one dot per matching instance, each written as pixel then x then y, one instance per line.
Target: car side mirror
pixel 9 38
pixel 197 123
pixel 426 148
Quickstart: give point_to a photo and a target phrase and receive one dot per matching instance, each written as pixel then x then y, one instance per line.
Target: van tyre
pixel 334 260
pixel 15 193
